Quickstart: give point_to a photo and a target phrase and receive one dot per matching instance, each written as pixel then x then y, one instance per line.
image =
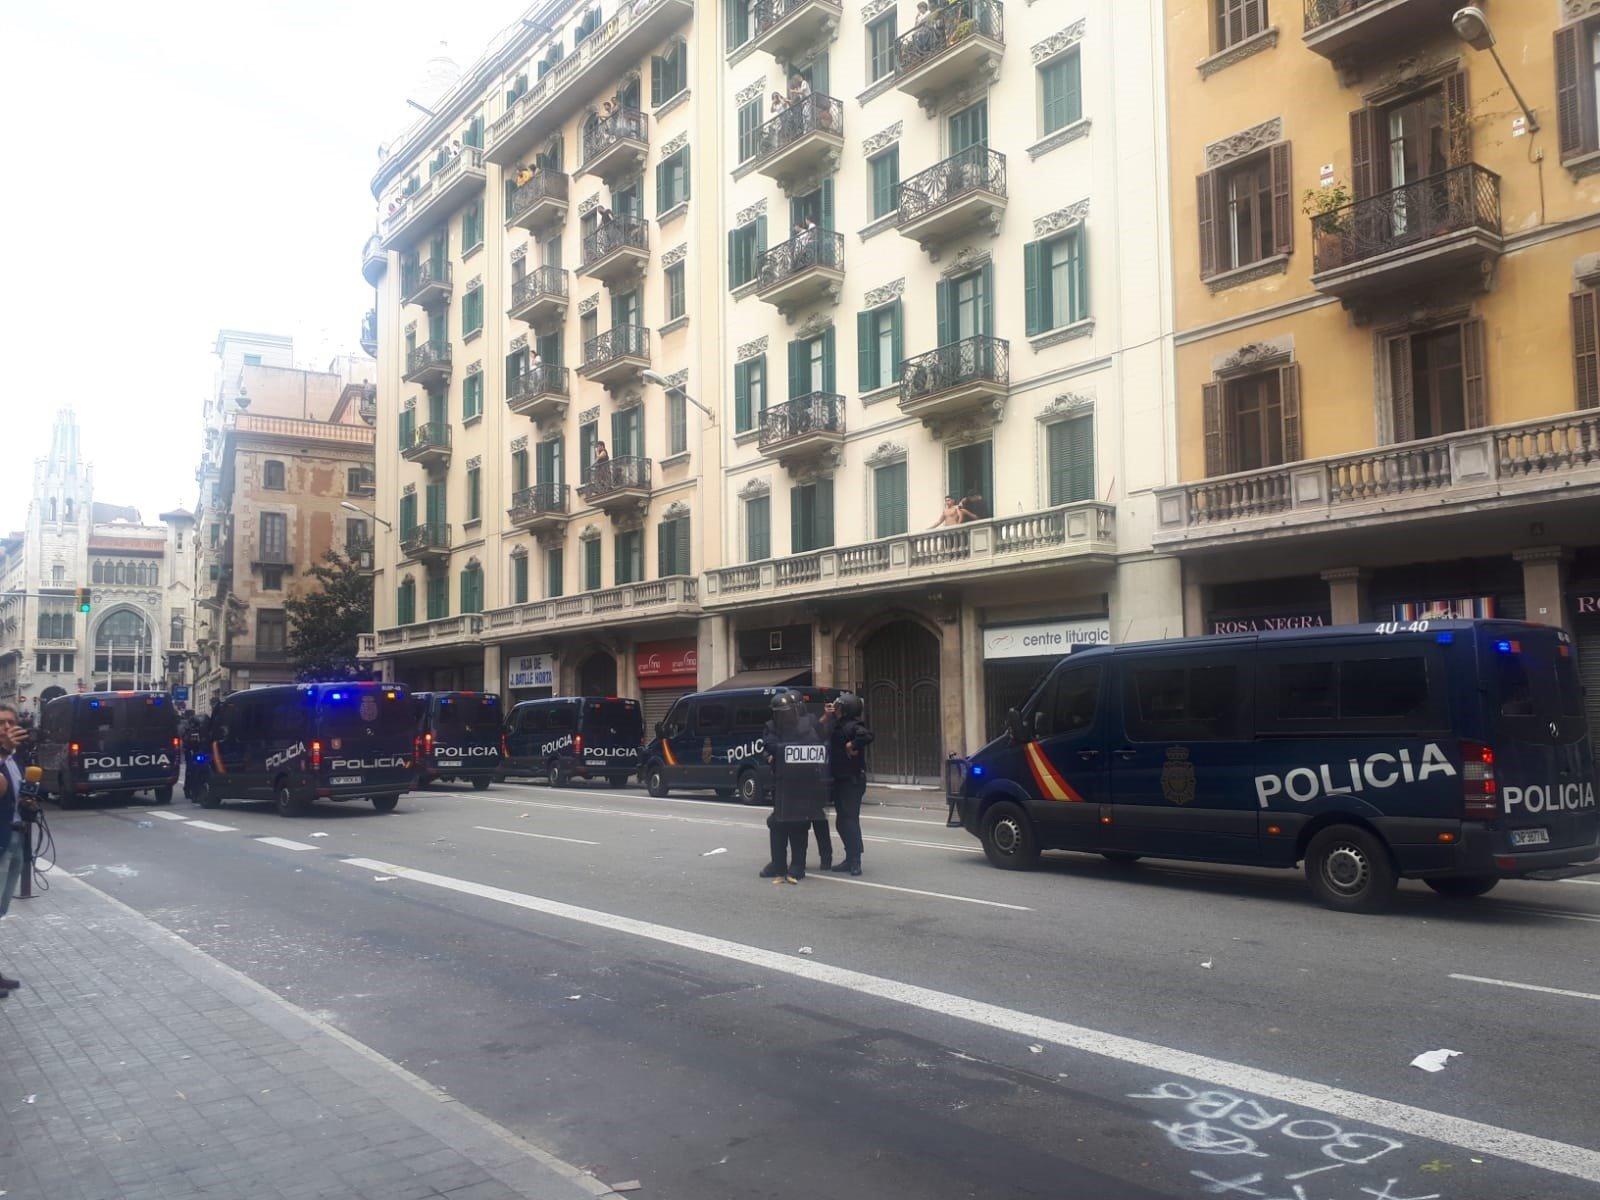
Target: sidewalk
pixel 930 799
pixel 135 1067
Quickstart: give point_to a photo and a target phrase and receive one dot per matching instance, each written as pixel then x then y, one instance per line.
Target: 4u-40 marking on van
pixel 1453 752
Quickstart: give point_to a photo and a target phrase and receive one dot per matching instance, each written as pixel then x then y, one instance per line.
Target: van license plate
pixel 340 780
pixel 104 776
pixel 1530 837
pixel 448 762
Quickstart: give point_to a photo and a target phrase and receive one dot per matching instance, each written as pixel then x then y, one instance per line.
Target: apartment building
pixel 287 475
pixel 1386 293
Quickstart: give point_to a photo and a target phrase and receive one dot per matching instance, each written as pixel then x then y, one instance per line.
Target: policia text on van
pixel 1449 751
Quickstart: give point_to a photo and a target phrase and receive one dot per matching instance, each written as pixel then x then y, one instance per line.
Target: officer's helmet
pixel 849 706
pixel 787 705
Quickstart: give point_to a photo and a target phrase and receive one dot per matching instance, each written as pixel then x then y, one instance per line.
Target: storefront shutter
pixel 1282 209
pixel 1205 205
pixel 1216 460
pixel 1477 387
pixel 1586 348
pixel 1289 409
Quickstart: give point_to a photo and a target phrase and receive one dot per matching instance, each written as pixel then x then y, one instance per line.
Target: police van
pixel 459 736
pixel 575 737
pixel 109 744
pixel 713 741
pixel 298 743
pixel 1454 752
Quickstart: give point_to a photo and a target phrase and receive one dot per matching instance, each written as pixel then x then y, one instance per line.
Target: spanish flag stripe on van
pixel 666 748
pixel 1049 781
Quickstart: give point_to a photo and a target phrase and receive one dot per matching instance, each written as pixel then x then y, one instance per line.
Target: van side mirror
pixel 1017 727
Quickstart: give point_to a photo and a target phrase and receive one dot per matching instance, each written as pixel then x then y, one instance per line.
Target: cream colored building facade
pixel 979 303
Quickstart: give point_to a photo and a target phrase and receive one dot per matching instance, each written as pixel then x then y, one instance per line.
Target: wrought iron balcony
pixel 362 552
pixel 616 145
pixel 618 353
pixel 617 250
pixel 429 540
pixel 787 28
pixel 428 364
pixel 1445 224
pixel 539 296
pixel 806 138
pixel 949 198
pixel 1347 31
pixel 958 43
pixel 426 283
pixel 429 445
pixel 803 429
pixel 539 392
pixel 954 378
pixel 374 262
pixel 453 179
pixel 540 203
pixel 618 483
pixel 542 506
pixel 802 270
pixel 369 331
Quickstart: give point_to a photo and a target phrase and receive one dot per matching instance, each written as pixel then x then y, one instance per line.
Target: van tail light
pixel 177 743
pixel 74 750
pixel 577 744
pixel 1480 793
pixel 427 743
pixel 316 756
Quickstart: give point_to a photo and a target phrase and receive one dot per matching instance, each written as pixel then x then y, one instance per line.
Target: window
pixel 272 630
pixel 214 534
pixel 1244 211
pixel 472 589
pixel 1437 381
pixel 272 579
pixel 555 572
pixel 274 537
pixel 965 306
pixel 588 327
pixel 551 461
pixel 472 136
pixel 672 548
pixel 889 500
pixel 1578 88
pixel 811 366
pixel 472 313
pixel 272 475
pixel 741 21
pixel 356 537
pixel 405 603
pixel 881 35
pixel 1237 20
pixel 519 470
pixel 358 481
pixel 1070 450
pixel 745 245
pixel 58 573
pixel 749 130
pixel 215 572
pixel 588 439
pixel 587 24
pixel 627 433
pixel 757 528
pixel 472 397
pixel 677 303
pixel 669 73
pixel 1359 689
pixel 885 171
pixel 749 393
pixel 252 360
pixel 1252 421
pixel 474 494
pixel 1586 347
pixel 878 347
pixel 1056 281
pixel 1060 92
pixel 1072 703
pixel 438 596
pixel 811 516
pixel 472 225
pixel 408 512
pixel 519 579
pixel 677 422
pixel 408 427
pixel 1186 700
pixel 591 564
pixel 672 181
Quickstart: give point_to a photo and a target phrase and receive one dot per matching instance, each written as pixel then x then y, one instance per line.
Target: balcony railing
pixel 542 499
pixel 817 248
pixel 546 379
pixel 1320 12
pixel 435 435
pixel 655 599
pixel 975 169
pixel 461 629
pixel 426 356
pixel 545 185
pixel 430 537
pixel 620 341
pixel 621 474
pixel 541 281
pixel 373 260
pixel 616 234
pixel 814 114
pixel 802 417
pixel 1454 201
pixel 972 360
pixel 947 28
pixel 427 275
pixel 624 125
pixel 369 331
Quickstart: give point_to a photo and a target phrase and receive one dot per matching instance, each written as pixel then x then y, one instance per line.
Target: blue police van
pixel 1455 752
pixel 712 741
pixel 460 736
pixel 109 744
pixel 575 737
pixel 296 744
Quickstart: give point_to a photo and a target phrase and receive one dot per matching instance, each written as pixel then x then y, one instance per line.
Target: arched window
pixel 52 509
pixel 272 477
pixel 69 510
pixel 122 573
pixel 406 602
pixel 94 573
pixel 122 649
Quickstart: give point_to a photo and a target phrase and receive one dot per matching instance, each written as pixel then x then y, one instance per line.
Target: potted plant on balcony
pixel 963 29
pixel 1331 221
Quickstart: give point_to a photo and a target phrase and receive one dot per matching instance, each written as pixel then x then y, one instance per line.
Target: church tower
pixel 61 515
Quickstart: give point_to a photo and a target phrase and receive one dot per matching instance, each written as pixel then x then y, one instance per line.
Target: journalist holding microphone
pixel 13 848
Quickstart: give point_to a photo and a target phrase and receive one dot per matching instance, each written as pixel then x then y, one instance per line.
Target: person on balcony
pixel 973 507
pixel 524 173
pixel 952 514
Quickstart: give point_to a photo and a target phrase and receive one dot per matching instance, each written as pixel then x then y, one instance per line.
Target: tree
pixel 324 624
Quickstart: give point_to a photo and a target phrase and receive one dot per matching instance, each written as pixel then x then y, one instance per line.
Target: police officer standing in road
pixel 848 739
pixel 798 754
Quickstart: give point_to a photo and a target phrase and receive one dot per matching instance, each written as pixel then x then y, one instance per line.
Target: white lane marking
pixel 1579 1162
pixel 639 798
pixel 1565 916
pixel 1585 882
pixel 889 887
pixel 213 827
pixel 549 837
pixel 1527 987
pixel 284 843
pixel 165 816
pixel 924 845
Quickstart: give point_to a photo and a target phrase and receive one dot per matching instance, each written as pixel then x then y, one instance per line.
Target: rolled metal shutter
pixel 656 703
pixel 1587 637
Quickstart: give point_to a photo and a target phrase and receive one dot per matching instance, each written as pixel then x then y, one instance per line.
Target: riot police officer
pixel 848 739
pixel 798 754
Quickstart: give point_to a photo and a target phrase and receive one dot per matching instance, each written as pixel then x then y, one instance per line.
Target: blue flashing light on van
pixel 1454 752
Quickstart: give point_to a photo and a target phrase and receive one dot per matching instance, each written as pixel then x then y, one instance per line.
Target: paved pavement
pixel 135 1067
pixel 602 974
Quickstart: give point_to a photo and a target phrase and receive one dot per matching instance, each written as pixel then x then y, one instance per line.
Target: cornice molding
pixel 751 349
pixel 1058 43
pixel 883 139
pixel 1245 142
pixel 1062 218
pixel 880 296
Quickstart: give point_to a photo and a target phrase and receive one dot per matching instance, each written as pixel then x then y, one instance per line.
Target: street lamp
pixel 356 508
pixel 1472 27
pixel 673 389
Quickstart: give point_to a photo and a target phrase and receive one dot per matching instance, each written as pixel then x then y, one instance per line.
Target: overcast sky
pixel 177 167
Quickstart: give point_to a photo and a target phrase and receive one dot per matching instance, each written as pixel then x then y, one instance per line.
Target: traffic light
pixel 83 600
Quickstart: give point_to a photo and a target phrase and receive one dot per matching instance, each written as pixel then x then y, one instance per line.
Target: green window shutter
pixel 741 397
pixel 408 511
pixel 758 528
pixel 956 485
pixel 555 571
pixel 827 205
pixel 945 308
pixel 665 544
pixel 591 564
pixel 682 533
pixel 1034 301
pixel 550 349
pixel 799 369
pixel 819 76
pixel 733 259
pixel 683 165
pixel 658 68
pixel 897 337
pixel 866 351
pixel 1071 458
pixel 761 240
pixel 829 382
pixel 889 491
pixel 662 170
pixel 986 283
pixel 1080 274
pixel 797 523
pixel 519 579
pixel 824 517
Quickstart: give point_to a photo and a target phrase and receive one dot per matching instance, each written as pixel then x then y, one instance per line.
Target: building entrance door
pixel 901 672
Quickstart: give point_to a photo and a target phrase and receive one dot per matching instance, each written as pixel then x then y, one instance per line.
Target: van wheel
pixel 1463 887
pixel 481 783
pixel 1008 838
pixel 749 789
pixel 655 781
pixel 163 795
pixel 1120 858
pixel 1349 870
pixel 290 803
pixel 208 797
pixel 385 804
pixel 560 776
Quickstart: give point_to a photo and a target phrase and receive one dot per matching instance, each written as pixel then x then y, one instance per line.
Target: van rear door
pixel 127 740
pixel 613 731
pixel 367 734
pixel 1543 762
pixel 466 730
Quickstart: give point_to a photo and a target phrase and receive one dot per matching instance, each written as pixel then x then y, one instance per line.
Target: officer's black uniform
pixel 798 752
pixel 848 739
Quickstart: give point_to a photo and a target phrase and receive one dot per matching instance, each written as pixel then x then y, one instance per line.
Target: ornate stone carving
pixel 887 454
pixel 1246 141
pixel 474 462
pixel 519 552
pixel 519 253
pixel 628 517
pixel 751 350
pixel 756 488
pixel 473 284
pixel 971 426
pixel 475 368
pixel 410 404
pixel 750 92
pixel 589 415
pixel 410 489
pixel 675 256
pixel 520 342
pixel 1062 218
pixel 590 532
pixel 1065 405
pixel 589 205
pixel 411 327
pixel 588 304
pixel 880 296
pixel 874 9
pixel 814 325
pixel 671 147
pixel 969 258
pixel 629 399
pixel 746 215
pixel 675 510
pixel 1254 356
pixel 1239 51
pixel 519 443
pixel 1576 10
pixel 1056 43
pixel 678 379
pixel 883 139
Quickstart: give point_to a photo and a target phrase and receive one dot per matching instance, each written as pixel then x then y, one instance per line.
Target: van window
pixel 617 719
pixel 753 713
pixel 530 719
pixel 1533 687
pixel 362 713
pixel 134 718
pixel 285 719
pixel 711 716
pixel 1389 688
pixel 563 718
pixel 456 715
pixel 1071 702
pixel 1379 688
pixel 676 720
pixel 1185 701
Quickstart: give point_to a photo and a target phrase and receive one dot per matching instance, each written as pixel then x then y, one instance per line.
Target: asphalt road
pixel 603 973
